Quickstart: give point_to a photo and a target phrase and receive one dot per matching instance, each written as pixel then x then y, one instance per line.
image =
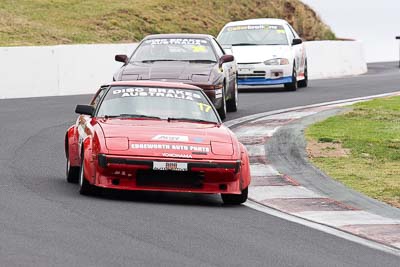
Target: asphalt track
pixel 45 222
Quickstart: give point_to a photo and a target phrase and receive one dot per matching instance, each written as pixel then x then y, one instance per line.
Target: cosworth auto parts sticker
pixel 156 92
pixel 176 41
pixel 202 149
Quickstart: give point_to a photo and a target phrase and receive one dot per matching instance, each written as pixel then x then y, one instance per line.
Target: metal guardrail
pixel 398 38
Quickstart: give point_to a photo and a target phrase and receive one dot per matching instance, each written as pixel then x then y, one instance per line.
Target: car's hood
pixel 167 139
pixel 259 53
pixel 168 70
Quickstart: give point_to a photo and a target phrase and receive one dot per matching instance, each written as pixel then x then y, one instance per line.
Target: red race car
pixel 155 136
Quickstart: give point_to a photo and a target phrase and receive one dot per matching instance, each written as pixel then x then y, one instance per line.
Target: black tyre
pixel 293 85
pixel 304 83
pixel 232 103
pixel 72 173
pixel 85 188
pixel 222 109
pixel 231 199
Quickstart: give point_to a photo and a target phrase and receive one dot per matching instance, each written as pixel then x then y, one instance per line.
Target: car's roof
pixel 257 21
pixel 179 35
pixel 155 84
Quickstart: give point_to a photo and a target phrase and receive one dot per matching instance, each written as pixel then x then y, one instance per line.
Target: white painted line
pixel 262 170
pixel 397 245
pixel 256 131
pixel 323 228
pixel 255 150
pixel 286 191
pixel 289 115
pixel 341 218
pixel 344 104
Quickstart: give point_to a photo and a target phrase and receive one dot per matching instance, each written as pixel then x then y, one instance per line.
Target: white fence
pixel 81 69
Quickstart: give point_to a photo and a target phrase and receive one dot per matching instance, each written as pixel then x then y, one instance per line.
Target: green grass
pixel 372 133
pixel 45 22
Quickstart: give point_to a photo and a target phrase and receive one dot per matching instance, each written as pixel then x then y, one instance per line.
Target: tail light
pixel 210 86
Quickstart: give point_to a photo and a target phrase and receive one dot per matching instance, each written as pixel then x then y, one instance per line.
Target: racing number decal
pixel 84 130
pixel 204 107
pixel 199 49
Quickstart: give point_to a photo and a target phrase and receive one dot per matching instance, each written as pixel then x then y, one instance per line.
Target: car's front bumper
pixel 259 74
pixel 129 173
pixel 264 81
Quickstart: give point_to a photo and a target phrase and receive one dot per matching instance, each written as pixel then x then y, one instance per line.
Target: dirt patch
pixel 394 203
pixel 317 149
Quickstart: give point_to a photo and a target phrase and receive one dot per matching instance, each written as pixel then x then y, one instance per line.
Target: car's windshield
pixel 262 34
pixel 174 49
pixel 157 103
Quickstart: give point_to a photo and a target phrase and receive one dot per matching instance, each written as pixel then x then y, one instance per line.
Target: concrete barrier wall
pixel 333 59
pixel 58 70
pixel 81 69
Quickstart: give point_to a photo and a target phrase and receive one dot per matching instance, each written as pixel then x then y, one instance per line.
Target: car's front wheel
pixel 232 199
pixel 222 108
pixel 293 85
pixel 72 173
pixel 232 104
pixel 85 188
pixel 304 83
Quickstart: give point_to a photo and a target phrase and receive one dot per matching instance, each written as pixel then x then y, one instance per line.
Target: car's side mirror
pixel 84 110
pixel 225 59
pixel 297 41
pixel 121 58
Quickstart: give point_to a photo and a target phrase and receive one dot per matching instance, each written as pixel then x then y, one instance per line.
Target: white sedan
pixel 267 51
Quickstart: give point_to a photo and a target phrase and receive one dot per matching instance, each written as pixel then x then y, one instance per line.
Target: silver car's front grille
pixel 254 74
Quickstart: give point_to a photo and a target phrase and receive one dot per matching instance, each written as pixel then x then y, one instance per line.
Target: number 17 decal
pixel 204 107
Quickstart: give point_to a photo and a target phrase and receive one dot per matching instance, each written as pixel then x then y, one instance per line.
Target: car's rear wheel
pixel 293 85
pixel 232 199
pixel 85 188
pixel 222 108
pixel 304 83
pixel 232 104
pixel 72 173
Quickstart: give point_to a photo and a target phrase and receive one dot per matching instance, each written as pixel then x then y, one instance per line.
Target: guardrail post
pixel 398 38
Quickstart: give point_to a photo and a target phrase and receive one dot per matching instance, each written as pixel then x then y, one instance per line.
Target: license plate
pixel 242 70
pixel 246 66
pixel 170 166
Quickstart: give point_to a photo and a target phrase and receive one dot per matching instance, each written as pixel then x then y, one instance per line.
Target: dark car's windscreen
pixel 163 103
pixel 254 35
pixel 174 49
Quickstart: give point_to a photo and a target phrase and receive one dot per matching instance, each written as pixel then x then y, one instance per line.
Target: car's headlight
pixel 277 61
